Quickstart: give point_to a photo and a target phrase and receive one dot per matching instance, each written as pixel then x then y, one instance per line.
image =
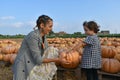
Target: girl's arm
pixel 80 44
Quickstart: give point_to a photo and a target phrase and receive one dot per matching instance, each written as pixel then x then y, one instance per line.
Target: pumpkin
pixel 12 58
pixel 16 48
pixel 117 56
pixel 8 49
pixel 110 65
pixel 106 42
pixel 0 50
pixel 115 44
pixel 11 42
pixel 8 42
pixel 73 58
pixel 108 51
pixel 1 57
pixel 3 45
pixel 5 41
pixel 118 49
pixel 6 57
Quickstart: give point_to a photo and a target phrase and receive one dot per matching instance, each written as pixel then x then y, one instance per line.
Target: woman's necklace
pixel 43 46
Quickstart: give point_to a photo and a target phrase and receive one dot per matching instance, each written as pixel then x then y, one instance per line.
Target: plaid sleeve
pixel 89 40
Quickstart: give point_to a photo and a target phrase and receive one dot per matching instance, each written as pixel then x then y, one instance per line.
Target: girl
pixel 91 58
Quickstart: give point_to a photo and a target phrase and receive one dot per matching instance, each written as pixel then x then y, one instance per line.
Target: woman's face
pixel 48 27
pixel 88 31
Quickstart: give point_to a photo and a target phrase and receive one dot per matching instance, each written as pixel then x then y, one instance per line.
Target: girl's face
pixel 48 27
pixel 88 31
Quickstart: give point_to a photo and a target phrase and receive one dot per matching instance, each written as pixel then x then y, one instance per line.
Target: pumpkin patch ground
pixel 6 73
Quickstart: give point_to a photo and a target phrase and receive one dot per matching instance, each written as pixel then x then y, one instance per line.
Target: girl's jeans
pixel 91 74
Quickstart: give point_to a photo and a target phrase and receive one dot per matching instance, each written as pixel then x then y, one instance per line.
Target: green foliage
pixel 11 36
pixel 53 35
pixel 77 33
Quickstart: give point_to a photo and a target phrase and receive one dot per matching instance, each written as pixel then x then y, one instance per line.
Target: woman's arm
pixel 47 60
pixel 32 42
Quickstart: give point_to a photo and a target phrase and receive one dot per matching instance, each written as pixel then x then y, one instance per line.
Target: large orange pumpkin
pixel 108 51
pixel 110 65
pixel 72 57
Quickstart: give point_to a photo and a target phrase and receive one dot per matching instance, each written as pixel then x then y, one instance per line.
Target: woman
pixel 32 50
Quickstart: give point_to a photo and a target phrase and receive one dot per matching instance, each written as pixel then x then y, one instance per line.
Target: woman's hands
pixel 59 60
pixel 56 60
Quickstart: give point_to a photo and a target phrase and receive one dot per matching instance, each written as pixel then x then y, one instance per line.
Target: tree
pixel 51 33
pixel 77 33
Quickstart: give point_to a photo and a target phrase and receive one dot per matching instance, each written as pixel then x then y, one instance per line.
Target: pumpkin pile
pixel 8 50
pixel 110 54
pixel 110 51
pixel 64 43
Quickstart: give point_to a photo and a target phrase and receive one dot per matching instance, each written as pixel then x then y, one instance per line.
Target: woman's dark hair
pixel 43 19
pixel 91 25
